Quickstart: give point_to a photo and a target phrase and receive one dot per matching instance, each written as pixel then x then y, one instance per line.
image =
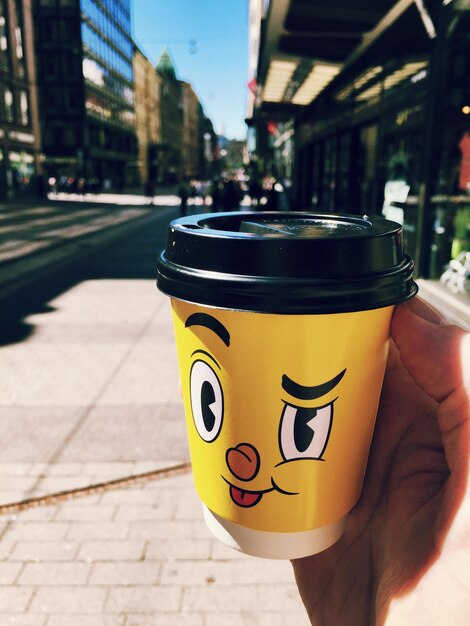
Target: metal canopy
pixel 306 44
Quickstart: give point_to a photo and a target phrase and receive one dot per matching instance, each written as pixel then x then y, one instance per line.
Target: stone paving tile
pixel 111 550
pixel 56 375
pixel 9 572
pixel 72 513
pixel 149 376
pixel 104 530
pixel 15 599
pixel 32 433
pixel 183 549
pixel 15 469
pixel 256 619
pixel 64 469
pixel 230 598
pixel 35 531
pixel 106 435
pixel 55 574
pixel 76 599
pixel 21 619
pixel 7 546
pixel 188 505
pixel 227 572
pixel 86 620
pixel 168 619
pixel 19 484
pixel 37 551
pixel 131 497
pixel 9 497
pixel 174 530
pixel 99 303
pixel 140 573
pixel 85 333
pixel 163 510
pixel 144 599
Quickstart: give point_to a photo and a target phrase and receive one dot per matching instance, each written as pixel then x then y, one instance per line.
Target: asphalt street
pixel 131 255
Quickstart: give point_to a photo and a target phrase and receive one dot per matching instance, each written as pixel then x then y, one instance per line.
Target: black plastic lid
pixel 286 262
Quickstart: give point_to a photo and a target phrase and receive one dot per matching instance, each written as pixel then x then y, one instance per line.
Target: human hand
pixel 404 557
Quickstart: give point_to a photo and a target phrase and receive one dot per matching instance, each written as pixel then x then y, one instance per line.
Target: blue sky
pixel 208 42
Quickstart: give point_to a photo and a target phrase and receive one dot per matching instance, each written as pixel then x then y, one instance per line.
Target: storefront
pixel 381 108
pixel 365 153
pixel 18 171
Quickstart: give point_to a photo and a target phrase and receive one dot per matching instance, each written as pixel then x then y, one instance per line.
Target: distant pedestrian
pixel 231 195
pixel 255 192
pixel 183 194
pixel 150 190
pixel 274 197
pixel 216 193
pixel 81 185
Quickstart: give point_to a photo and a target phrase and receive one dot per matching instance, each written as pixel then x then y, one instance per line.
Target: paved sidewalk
pixel 90 395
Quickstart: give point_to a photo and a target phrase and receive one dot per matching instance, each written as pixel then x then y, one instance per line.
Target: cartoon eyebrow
pixel 210 322
pixel 310 393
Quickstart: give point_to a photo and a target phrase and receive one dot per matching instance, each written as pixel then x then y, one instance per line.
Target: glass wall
pixel 107 61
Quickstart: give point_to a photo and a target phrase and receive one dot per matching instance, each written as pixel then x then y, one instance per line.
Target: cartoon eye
pixel 304 431
pixel 207 401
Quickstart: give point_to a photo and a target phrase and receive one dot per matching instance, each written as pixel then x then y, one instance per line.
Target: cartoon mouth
pixel 246 499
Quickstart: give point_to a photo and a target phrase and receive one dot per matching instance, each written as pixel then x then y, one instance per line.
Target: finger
pixel 436 356
pixel 426 311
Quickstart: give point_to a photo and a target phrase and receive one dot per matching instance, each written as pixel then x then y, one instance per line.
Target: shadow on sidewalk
pixel 132 256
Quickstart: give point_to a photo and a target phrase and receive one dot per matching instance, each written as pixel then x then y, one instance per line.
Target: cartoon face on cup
pixel 280 411
pixel 282 324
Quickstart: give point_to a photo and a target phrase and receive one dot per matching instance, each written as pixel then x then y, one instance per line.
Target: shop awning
pixel 306 44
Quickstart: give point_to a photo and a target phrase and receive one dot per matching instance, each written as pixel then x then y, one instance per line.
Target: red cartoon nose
pixel 243 461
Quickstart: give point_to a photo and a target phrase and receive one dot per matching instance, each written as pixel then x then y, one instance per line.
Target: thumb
pixel 436 356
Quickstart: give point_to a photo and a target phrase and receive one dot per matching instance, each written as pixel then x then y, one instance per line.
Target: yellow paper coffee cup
pixel 280 391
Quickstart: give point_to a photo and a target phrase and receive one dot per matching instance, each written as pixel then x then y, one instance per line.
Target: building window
pixel 72 98
pixel 3 37
pixel 50 69
pixel 53 97
pixel 49 137
pixel 69 137
pixel 24 108
pixel 19 43
pixel 3 31
pixel 8 100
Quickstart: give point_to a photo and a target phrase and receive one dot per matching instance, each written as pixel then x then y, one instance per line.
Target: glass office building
pixel 107 61
pixel 84 52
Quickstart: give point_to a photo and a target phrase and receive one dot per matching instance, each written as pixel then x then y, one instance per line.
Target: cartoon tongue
pixel 244 498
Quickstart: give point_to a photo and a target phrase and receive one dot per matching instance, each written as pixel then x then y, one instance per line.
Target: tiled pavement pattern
pixel 140 556
pixel 89 396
